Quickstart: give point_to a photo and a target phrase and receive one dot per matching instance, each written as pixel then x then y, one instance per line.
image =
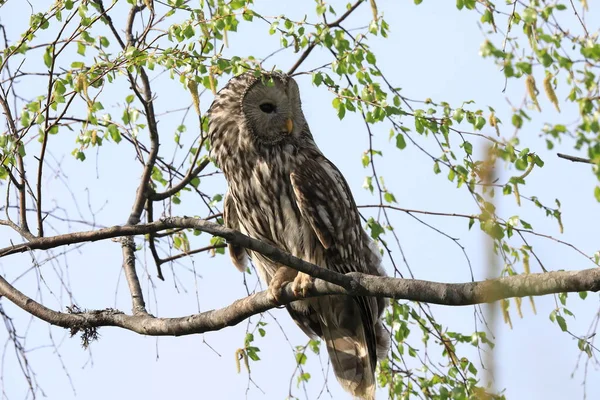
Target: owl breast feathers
pixel 283 191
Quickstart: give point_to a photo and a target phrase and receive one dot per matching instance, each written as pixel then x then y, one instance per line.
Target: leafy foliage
pixel 95 92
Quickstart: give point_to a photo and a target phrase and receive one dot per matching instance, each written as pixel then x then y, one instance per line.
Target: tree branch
pixel 451 294
pixel 21 186
pixel 191 252
pixel 157 196
pixel 574 158
pixel 142 193
pixel 313 44
pixel 230 235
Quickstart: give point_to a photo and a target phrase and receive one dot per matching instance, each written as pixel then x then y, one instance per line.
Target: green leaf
pixel 79 155
pixel 526 225
pixel 81 48
pixel 459 115
pixel 368 184
pixel 304 377
pixel 562 297
pixel 493 228
pixel 365 160
pixel 468 148
pixel 561 322
pixel 114 133
pixel 389 197
pixel 248 339
pixel 525 67
pixel 48 56
pixel 371 58
pixel 401 143
pixel 479 123
pixel 451 175
pixel 419 125
pixel 301 358
pixel 375 227
pixel 517 121
pixel 252 353
pixel 317 78
pixel 237 4
pixel 341 111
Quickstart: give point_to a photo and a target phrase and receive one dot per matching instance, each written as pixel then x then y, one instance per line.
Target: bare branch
pixel 457 294
pixel 151 238
pixel 143 192
pixel 230 235
pixel 21 186
pixel 139 306
pixel 191 252
pixel 191 175
pixel 26 234
pixel 574 158
pixel 449 294
pixel 313 44
pixel 47 124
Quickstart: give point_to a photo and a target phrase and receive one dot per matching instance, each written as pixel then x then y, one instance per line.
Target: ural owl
pixel 283 191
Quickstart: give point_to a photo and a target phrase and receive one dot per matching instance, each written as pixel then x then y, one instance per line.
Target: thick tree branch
pixel 451 294
pixel 189 223
pixel 135 289
pixel 142 193
pixel 25 234
pixel 152 238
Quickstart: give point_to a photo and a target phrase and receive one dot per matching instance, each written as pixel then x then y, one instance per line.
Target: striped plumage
pixel 283 191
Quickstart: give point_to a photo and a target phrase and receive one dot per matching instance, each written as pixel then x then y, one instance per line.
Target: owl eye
pixel 267 108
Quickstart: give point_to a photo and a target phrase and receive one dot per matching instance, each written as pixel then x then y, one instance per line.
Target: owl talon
pixel 282 277
pixel 302 284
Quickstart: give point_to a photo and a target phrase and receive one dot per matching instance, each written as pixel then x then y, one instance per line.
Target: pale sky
pixel 432 52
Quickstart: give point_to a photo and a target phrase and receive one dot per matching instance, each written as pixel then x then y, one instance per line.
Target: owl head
pixel 264 107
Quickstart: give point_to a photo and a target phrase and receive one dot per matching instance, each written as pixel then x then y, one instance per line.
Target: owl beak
pixel 289 125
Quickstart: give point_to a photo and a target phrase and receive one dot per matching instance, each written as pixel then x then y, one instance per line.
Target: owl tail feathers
pixel 351 362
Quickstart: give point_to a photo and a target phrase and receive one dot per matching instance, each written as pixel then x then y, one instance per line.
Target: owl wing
pixel 325 201
pixel 238 254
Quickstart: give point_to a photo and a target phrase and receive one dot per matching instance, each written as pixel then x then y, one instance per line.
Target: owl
pixel 285 192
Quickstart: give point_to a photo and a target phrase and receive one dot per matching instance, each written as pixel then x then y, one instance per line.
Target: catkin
pixel 193 87
pixel 550 91
pixel 532 91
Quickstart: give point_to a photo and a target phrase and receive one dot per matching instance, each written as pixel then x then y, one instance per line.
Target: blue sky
pixel 432 52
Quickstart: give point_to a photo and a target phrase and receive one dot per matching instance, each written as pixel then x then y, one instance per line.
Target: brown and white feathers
pixel 283 191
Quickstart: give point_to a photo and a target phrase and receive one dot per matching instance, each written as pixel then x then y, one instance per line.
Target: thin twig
pixel 575 158
pixel 313 44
